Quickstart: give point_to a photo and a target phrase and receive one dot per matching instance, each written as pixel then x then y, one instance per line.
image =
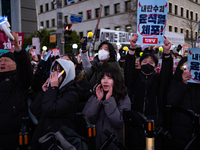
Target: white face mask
pixel 103 54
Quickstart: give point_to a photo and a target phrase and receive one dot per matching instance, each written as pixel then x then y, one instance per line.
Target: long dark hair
pixel 119 88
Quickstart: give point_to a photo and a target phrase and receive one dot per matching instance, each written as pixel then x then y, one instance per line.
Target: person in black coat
pixel 186 95
pixel 146 87
pixel 56 104
pixel 15 79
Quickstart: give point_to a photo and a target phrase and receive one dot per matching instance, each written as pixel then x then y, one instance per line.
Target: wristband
pixel 164 54
pixel 132 49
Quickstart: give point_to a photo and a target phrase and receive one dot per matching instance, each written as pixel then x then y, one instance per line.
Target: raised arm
pixel 24 69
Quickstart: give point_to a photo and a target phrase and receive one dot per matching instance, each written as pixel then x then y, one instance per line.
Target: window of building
pixel 89 14
pixel 47 23
pixel 66 19
pixel 187 34
pixel 175 29
pixel 191 15
pixel 42 24
pixel 128 28
pixel 80 34
pixel 181 30
pixel 176 10
pixel 47 7
pixel 127 6
pixel 196 34
pixel 170 7
pixel 107 10
pixel 53 22
pixel 117 8
pixel 170 28
pixel 117 28
pixel 181 11
pixel 97 12
pixel 196 17
pixel 41 8
pixel 187 14
pixel 52 6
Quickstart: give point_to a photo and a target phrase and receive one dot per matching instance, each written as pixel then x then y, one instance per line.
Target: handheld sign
pixel 47 56
pixel 151 21
pixel 193 64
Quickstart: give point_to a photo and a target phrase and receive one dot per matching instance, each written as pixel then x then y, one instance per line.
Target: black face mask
pixel 147 69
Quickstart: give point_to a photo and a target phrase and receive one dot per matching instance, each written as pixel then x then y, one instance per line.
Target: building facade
pixel 21 15
pixel 118 15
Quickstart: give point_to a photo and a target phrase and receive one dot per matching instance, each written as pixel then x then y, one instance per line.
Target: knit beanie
pixel 9 55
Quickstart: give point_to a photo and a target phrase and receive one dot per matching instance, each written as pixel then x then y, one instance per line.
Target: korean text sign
pixel 5 41
pixel 151 21
pixel 194 64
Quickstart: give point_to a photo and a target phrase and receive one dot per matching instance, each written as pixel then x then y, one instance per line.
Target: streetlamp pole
pixel 60 45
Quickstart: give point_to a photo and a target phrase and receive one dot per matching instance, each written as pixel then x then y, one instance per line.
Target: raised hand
pixel 16 41
pixel 54 79
pixel 133 40
pixel 109 94
pixel 167 45
pixel 99 92
pixel 186 76
pixel 44 86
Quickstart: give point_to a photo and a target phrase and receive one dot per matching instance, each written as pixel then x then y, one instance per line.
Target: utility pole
pixel 60 45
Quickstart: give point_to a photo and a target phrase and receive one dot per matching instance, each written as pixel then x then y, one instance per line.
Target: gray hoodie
pixel 69 68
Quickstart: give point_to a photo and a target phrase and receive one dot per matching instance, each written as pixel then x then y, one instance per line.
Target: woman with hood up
pixel 106 58
pixel 57 103
pixel 186 95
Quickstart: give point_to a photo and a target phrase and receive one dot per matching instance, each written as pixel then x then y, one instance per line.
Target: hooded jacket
pixel 56 106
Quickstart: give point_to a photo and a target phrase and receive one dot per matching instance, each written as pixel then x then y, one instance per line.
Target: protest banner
pixel 114 36
pixel 5 41
pixel 193 64
pixel 151 21
pixel 55 52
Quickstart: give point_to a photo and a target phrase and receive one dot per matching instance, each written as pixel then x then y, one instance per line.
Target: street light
pixel 74 46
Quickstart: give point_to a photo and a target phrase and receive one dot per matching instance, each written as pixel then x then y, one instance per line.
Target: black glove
pixel 84 44
pixel 42 65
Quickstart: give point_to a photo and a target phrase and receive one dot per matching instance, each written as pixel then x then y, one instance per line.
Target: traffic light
pixel 67 33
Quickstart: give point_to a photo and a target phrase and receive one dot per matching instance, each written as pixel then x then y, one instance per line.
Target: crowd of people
pixel 52 92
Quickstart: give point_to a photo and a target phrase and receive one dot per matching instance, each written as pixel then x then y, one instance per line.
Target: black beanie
pixel 145 55
pixel 9 55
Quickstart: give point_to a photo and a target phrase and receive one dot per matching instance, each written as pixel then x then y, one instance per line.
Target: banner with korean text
pixel 194 64
pixel 114 36
pixel 5 41
pixel 151 21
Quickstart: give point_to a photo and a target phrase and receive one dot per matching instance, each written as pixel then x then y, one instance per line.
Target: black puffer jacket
pixel 56 106
pixel 13 106
pixel 188 97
